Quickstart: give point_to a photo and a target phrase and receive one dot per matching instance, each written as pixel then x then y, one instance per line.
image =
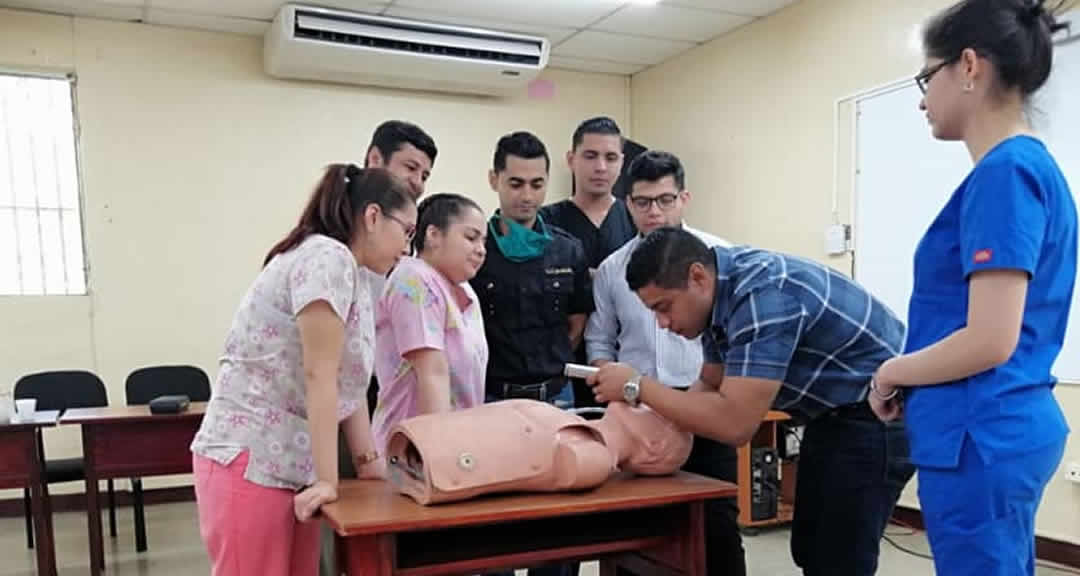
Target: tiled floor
pixel 175 548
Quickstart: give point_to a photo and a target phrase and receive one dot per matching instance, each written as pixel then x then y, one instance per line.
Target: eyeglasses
pixel 664 201
pixel 407 228
pixel 922 80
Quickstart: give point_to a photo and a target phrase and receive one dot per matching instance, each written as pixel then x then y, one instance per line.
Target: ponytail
pixel 344 192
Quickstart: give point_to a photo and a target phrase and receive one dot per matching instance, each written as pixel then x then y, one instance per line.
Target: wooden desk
pixel 129 441
pixel 22 466
pixel 649 525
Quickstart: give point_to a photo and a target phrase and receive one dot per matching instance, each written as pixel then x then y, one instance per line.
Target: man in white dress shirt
pixel 623 329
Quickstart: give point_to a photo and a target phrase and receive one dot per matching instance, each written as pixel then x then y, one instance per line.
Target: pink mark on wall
pixel 541 89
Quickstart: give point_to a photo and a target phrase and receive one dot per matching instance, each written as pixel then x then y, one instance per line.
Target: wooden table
pixel 22 466
pixel 128 442
pixel 648 525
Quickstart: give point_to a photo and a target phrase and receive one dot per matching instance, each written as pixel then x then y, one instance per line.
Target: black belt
pixel 542 391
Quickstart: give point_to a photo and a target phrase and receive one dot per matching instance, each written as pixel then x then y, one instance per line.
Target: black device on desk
pixel 169 404
pixel 764 484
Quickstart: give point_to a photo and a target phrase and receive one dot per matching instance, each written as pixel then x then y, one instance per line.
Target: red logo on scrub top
pixel 983 256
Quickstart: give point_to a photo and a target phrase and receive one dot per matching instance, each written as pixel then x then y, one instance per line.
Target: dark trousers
pixel 852 468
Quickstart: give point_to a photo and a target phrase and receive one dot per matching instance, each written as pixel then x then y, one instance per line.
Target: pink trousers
pixel 250 529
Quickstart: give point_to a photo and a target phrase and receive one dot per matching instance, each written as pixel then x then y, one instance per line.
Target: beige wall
pixel 194 162
pixel 751 114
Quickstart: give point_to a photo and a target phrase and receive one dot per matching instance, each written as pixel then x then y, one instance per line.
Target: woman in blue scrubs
pixel 993 283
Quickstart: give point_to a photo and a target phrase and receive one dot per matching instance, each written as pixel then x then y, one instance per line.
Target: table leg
pixel 93 510
pixel 49 525
pixel 371 555
pixel 693 539
pixel 40 512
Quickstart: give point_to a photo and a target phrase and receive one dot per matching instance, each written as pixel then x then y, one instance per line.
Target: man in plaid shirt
pixel 783 333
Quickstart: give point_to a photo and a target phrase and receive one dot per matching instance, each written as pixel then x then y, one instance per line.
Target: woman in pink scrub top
pixel 431 352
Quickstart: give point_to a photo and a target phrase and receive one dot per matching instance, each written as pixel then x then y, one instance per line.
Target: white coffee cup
pixel 25 407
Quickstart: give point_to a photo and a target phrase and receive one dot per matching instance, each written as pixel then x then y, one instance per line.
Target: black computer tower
pixel 764 483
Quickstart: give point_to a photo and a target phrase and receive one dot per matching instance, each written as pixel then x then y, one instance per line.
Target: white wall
pixel 194 163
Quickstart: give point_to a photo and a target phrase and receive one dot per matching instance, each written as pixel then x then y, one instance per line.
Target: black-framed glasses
pixel 922 79
pixel 664 201
pixel 407 228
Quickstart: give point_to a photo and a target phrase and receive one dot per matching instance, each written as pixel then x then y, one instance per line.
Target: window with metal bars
pixel 41 240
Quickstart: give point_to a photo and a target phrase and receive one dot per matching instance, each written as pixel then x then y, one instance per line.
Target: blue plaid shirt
pixel 779 317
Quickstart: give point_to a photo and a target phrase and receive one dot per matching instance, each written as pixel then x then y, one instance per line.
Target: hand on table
pixel 308 502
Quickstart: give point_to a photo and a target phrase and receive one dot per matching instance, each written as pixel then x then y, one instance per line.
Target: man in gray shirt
pixel 623 329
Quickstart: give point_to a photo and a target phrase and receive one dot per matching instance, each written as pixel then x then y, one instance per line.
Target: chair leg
pixel 140 516
pixel 29 520
pixel 112 510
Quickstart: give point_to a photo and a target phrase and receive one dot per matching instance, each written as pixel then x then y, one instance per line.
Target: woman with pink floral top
pixel 297 361
pixel 431 352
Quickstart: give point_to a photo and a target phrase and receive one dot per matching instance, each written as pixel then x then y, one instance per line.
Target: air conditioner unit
pixel 349 47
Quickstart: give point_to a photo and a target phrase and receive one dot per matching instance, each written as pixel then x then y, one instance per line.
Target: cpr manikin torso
pixel 527 446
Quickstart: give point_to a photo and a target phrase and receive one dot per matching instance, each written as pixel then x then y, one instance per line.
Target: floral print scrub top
pixel 258 401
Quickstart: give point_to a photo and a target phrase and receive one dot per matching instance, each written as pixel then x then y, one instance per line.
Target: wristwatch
pixel 631 391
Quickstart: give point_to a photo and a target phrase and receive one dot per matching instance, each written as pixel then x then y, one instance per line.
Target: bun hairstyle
pixel 344 192
pixel 1015 35
pixel 439 210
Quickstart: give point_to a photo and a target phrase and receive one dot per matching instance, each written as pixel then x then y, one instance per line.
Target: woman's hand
pixel 884 397
pixel 308 502
pixel 886 410
pixel 373 470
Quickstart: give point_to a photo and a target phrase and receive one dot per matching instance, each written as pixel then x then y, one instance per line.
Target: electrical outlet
pixel 1072 472
pixel 836 239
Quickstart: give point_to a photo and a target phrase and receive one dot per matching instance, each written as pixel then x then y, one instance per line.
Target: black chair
pixel 59 391
pixel 145 384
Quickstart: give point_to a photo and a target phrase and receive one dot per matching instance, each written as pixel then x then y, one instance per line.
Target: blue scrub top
pixel 1013 211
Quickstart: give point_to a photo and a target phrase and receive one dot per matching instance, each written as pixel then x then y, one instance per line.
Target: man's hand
pixel 608 382
pixel 311 499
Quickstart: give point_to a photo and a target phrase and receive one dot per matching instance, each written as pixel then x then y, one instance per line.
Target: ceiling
pixel 612 36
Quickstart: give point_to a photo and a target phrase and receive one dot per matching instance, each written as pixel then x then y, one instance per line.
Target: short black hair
pixel 439 210
pixel 664 258
pixel 392 135
pixel 1015 35
pixel 653 165
pixel 597 125
pixel 523 145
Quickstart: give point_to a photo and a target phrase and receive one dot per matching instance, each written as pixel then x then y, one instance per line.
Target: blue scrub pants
pixel 980 519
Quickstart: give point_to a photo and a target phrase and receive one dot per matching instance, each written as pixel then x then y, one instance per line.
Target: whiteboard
pixel 903 177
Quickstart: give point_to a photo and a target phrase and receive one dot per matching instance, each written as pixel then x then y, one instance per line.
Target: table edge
pixel 728 490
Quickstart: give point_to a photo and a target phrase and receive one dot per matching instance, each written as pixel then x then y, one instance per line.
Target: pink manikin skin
pixel 527 446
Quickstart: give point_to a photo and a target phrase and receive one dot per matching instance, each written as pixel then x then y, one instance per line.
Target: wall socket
pixel 1072 472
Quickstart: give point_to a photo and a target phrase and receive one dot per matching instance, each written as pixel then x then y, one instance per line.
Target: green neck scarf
pixel 519 244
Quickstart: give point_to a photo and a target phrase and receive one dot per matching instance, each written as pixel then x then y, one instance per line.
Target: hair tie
pixel 351 171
